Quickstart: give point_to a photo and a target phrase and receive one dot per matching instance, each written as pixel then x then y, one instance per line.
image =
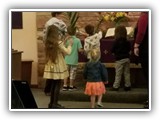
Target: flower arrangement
pixel 116 17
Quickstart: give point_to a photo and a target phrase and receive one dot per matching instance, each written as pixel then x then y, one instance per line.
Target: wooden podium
pixel 16 64
pixel 26 70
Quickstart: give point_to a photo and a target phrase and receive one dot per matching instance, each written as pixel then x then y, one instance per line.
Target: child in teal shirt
pixel 72 59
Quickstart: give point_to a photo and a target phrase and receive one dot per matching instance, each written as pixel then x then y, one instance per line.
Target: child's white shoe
pixel 99 105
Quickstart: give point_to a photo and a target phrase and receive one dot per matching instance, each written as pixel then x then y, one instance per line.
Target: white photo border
pixel 77 10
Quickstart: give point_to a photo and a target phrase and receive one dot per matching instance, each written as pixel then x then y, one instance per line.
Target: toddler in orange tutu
pixel 96 76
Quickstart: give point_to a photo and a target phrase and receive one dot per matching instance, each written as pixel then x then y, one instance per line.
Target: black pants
pixel 55 90
pixel 145 67
pixel 48 86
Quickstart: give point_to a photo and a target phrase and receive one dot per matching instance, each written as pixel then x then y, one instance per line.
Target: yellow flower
pixel 119 14
pixel 106 17
pixel 115 16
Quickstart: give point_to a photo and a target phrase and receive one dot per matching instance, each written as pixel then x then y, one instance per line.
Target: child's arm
pixel 66 50
pixel 81 50
pixel 106 82
pixel 68 37
pixel 99 35
pixel 104 73
pixel 85 72
pixel 86 45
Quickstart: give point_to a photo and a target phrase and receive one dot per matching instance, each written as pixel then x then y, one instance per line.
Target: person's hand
pixel 106 82
pixel 136 51
pixel 70 41
pixel 66 38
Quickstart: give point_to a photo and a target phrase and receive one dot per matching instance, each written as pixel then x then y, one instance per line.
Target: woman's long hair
pixel 51 44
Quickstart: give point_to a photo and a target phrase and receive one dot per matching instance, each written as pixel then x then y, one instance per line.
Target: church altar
pixel 137 78
pixel 106 56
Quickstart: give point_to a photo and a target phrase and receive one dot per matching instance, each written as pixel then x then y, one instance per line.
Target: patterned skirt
pixel 95 88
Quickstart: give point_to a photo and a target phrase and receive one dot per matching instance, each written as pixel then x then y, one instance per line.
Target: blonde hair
pixel 95 55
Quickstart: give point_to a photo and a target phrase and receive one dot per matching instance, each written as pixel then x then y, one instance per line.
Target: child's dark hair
pixel 120 32
pixel 55 13
pixel 89 29
pixel 71 30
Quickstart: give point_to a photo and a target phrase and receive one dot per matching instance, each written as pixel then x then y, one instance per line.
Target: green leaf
pixel 73 17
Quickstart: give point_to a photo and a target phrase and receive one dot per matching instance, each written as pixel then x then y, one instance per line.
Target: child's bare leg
pixel 71 82
pixel 93 97
pixel 99 98
pixel 65 87
pixel 66 79
pixel 65 82
pixel 99 102
pixel 72 75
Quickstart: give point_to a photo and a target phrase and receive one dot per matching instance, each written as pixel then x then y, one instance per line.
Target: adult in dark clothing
pixel 141 45
pixel 121 49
